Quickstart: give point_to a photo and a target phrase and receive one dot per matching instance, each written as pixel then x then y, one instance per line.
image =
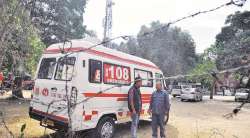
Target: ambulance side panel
pixel 111 102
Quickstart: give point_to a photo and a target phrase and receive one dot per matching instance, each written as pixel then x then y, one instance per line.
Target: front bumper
pixel 188 96
pixel 60 123
pixel 176 93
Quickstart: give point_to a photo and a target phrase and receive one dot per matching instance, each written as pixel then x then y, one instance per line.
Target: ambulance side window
pixel 158 77
pixel 95 71
pixel 47 68
pixel 146 75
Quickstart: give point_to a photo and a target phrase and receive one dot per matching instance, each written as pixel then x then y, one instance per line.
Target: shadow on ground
pixel 123 131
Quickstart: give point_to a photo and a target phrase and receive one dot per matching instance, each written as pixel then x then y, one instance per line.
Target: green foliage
pixel 237 76
pixel 58 20
pixel 37 48
pixel 201 73
pixel 233 41
pixel 20 43
pixel 172 49
pixel 15 29
pixel 206 64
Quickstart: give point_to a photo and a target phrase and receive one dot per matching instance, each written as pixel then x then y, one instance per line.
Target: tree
pixel 131 47
pixel 15 29
pixel 233 41
pixel 36 49
pixel 206 64
pixel 170 48
pixel 19 40
pixel 58 20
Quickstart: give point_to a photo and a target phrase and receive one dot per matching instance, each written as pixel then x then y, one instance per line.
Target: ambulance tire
pixel 105 128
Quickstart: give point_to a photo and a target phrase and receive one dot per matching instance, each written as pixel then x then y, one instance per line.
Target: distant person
pixel 135 105
pixel 159 108
pixel 1 79
pixel 9 80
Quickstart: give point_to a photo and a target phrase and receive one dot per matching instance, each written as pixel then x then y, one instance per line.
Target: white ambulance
pixel 92 76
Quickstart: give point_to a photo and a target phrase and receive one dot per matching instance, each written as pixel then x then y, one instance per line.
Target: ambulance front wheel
pixel 106 128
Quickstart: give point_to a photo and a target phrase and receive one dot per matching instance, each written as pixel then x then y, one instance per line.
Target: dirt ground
pixel 187 120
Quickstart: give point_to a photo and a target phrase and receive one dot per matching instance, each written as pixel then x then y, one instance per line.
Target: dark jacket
pixel 135 95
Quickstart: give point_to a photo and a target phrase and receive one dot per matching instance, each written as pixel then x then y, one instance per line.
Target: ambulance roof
pixel 83 45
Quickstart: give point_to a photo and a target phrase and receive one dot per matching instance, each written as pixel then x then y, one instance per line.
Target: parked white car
pixel 227 91
pixel 194 93
pixel 241 94
pixel 176 91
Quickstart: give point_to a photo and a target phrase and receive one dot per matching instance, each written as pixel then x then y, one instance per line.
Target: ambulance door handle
pixel 54 89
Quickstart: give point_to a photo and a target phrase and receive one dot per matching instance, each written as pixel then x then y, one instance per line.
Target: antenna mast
pixel 107 24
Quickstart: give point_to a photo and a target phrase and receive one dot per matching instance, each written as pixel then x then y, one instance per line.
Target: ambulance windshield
pixel 65 68
pixel 46 69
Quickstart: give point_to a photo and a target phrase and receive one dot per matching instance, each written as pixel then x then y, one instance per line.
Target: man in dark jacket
pixel 135 105
pixel 159 107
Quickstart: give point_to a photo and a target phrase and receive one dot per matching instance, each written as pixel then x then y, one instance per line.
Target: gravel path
pixel 188 120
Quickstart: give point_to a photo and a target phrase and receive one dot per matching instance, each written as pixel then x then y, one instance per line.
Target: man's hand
pixel 167 118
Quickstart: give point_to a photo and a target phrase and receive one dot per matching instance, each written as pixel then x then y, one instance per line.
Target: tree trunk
pixel 17 88
pixel 1 54
pixel 213 89
pixel 1 62
pixel 17 93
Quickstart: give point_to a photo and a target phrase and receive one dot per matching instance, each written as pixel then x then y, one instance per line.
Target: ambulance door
pixel 63 88
pixel 45 77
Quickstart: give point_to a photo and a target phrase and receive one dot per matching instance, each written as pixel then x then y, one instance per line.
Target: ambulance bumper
pixel 58 124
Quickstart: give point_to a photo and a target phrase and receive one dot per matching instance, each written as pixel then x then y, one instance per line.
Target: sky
pixel 130 15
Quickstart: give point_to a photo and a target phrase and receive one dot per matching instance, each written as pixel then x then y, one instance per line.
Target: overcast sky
pixel 130 15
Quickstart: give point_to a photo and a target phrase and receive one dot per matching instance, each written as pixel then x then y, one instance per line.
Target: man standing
pixel 159 107
pixel 134 105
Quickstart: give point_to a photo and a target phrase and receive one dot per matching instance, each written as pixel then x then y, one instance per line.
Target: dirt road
pixel 188 120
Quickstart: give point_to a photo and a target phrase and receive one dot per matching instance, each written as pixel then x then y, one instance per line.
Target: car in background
pixel 241 94
pixel 227 91
pixel 176 90
pixel 192 93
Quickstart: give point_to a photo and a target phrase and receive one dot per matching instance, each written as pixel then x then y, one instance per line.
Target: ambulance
pixel 95 80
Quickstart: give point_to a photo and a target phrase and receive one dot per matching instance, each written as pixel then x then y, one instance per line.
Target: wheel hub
pixel 107 130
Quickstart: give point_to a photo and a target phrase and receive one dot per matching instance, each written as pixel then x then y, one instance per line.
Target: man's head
pixel 158 86
pixel 138 82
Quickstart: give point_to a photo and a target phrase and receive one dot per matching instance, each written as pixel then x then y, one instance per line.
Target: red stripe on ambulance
pixel 92 94
pixel 120 97
pixel 99 53
pixel 59 118
pixel 88 117
pixel 88 94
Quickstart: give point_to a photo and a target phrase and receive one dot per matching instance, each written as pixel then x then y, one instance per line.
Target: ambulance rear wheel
pixel 106 128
